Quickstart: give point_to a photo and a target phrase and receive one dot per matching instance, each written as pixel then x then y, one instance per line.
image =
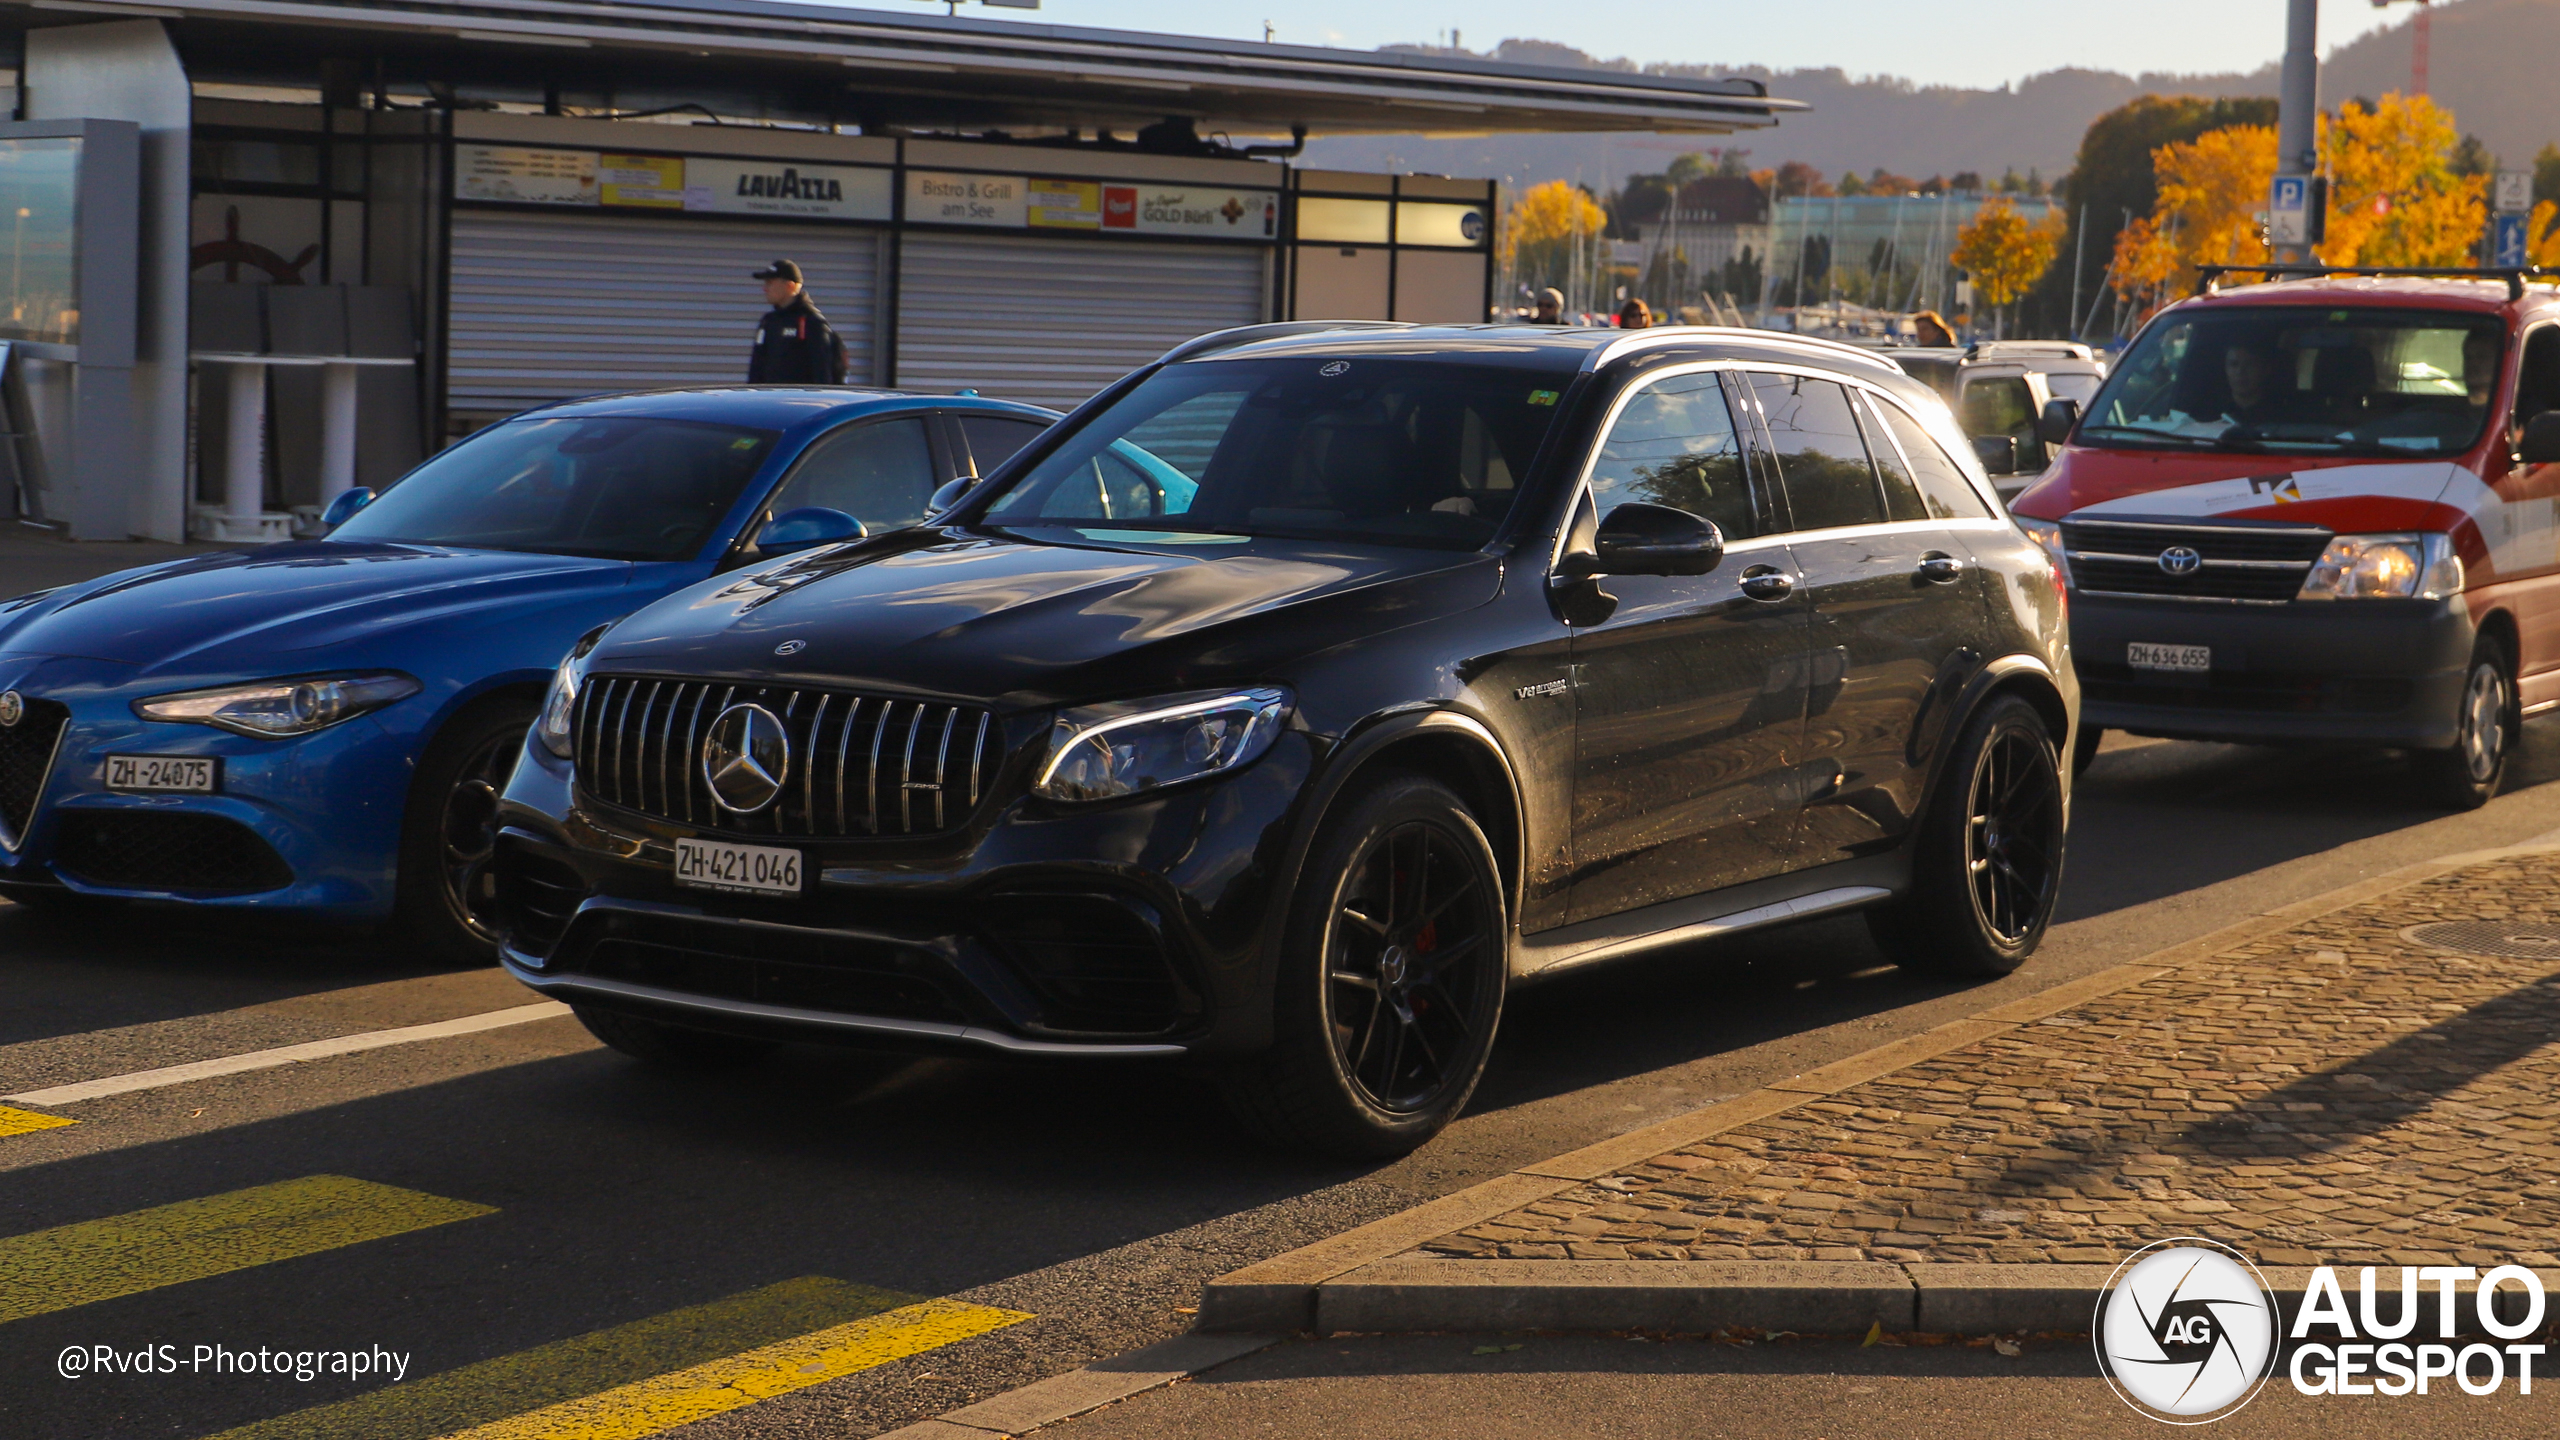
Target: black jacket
pixel 796 346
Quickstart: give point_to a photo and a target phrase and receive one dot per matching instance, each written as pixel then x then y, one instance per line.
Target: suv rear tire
pixel 2487 722
pixel 1391 980
pixel 1986 862
pixel 671 1047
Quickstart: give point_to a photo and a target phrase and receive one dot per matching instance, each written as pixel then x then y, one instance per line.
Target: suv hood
pixel 1044 619
pixel 247 607
pixel 2345 493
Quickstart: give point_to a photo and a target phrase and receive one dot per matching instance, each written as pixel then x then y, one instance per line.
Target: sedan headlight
pixel 2387 567
pixel 558 725
pixel 280 709
pixel 2048 537
pixel 1102 752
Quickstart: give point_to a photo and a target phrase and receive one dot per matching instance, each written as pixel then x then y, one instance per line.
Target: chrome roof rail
pixel 1652 336
pixel 1217 340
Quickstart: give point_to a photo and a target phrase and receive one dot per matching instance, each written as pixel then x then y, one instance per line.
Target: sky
pixel 1972 43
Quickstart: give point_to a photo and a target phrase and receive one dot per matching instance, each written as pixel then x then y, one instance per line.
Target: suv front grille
pixel 26 759
pixel 2251 562
pixel 859 765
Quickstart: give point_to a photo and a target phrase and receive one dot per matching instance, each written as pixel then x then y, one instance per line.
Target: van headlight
pixel 281 709
pixel 558 726
pixel 1102 752
pixel 2385 567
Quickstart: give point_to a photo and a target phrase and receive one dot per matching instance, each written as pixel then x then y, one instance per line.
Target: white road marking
pixel 286 1055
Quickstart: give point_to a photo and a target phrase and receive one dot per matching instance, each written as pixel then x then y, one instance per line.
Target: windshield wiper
pixel 2165 437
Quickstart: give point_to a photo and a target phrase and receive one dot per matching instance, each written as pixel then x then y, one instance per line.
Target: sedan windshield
pixel 612 487
pixel 2300 380
pixel 1391 450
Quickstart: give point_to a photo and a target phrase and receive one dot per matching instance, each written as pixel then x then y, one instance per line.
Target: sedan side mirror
pixel 1998 453
pixel 949 495
pixel 807 527
pixel 1640 539
pixel 344 508
pixel 2541 443
pixel 2059 419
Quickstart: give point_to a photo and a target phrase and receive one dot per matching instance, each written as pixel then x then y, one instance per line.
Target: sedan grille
pixel 2262 563
pixel 859 765
pixel 26 759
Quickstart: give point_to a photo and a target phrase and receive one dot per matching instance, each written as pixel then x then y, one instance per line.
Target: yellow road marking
pixel 96 1260
pixel 649 1406
pixel 14 1121
pixel 631 1374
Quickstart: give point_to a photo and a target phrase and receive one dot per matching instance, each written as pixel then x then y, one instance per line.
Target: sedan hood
pixel 259 605
pixel 1038 619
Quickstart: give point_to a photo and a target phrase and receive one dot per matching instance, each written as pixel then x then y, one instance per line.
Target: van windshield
pixel 2302 380
pixel 1390 450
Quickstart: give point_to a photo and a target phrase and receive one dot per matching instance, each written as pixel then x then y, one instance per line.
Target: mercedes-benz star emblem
pixel 2180 560
pixel 1338 367
pixel 13 708
pixel 746 759
pixel 790 647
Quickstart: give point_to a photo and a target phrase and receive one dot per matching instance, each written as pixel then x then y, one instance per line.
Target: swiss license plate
pixel 737 869
pixel 162 774
pixel 2176 659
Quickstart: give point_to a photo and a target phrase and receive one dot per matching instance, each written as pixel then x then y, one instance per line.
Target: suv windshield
pixel 614 487
pixel 1392 450
pixel 2302 380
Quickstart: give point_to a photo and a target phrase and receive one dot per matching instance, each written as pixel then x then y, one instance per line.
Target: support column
pixel 337 431
pixel 244 480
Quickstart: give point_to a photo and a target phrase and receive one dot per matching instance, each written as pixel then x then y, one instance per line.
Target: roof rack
pixel 2209 277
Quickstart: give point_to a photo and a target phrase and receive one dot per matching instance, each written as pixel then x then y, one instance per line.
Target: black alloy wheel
pixel 1986 858
pixel 2488 724
pixel 1392 980
pixel 451 829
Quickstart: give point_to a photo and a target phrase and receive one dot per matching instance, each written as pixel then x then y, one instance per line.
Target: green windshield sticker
pixel 1542 397
pixel 743 442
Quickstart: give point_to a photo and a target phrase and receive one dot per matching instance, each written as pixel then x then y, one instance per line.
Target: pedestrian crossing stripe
pixel 14 1121
pixel 95 1260
pixel 650 1375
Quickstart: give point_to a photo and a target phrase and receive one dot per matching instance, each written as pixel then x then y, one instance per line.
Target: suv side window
pixel 1674 444
pixel 993 438
pixel 2538 383
pixel 2003 405
pixel 1821 456
pixel 1948 495
pixel 880 473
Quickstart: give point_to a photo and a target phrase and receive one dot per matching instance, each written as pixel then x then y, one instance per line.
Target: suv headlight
pixel 2388 567
pixel 281 709
pixel 558 726
pixel 1101 752
pixel 2048 537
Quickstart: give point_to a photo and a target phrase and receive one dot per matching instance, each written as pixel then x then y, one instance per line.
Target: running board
pixel 1546 958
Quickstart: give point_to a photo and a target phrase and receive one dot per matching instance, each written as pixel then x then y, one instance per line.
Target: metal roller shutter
pixel 549 306
pixel 1052 321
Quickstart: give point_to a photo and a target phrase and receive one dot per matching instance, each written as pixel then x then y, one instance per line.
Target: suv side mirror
pixel 949 494
pixel 1998 453
pixel 2059 419
pixel 2541 443
pixel 805 528
pixel 344 508
pixel 1640 539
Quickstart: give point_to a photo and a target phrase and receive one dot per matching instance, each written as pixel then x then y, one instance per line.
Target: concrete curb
pixel 1063 1397
pixel 1367 1279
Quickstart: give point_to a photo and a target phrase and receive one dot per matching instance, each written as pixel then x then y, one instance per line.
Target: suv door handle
pixel 1767 582
pixel 1940 568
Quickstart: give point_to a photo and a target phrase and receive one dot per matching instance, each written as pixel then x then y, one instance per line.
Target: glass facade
pixel 39 189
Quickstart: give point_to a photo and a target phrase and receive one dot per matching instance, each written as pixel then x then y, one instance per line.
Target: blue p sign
pixel 2288 193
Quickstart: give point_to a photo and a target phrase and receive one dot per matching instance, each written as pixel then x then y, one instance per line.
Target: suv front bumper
pixel 2377 672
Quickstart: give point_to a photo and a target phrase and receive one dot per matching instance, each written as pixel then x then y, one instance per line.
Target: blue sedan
pixel 322 727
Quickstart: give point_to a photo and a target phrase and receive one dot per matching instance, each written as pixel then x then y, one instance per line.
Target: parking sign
pixel 2506 243
pixel 2514 192
pixel 2289 210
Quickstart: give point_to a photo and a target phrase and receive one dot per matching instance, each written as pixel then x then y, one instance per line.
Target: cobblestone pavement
pixel 2336 1093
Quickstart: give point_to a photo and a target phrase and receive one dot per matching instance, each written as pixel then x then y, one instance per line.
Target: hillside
pixel 2490 64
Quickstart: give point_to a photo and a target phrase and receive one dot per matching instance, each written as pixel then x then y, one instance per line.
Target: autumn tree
pixel 1543 231
pixel 2395 197
pixel 2003 253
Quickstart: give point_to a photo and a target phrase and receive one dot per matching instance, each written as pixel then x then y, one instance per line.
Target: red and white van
pixel 2321 509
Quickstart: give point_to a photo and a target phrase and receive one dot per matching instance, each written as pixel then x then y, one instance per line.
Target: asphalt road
pixel 527 1219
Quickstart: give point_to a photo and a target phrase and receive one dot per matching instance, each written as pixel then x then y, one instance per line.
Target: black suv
pixel 1299 696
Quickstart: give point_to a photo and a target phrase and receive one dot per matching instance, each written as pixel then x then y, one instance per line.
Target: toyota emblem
pixel 746 759
pixel 2180 560
pixel 13 708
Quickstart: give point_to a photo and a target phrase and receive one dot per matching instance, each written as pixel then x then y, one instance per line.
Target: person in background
pixel 1550 307
pixel 794 343
pixel 1931 328
pixel 1635 315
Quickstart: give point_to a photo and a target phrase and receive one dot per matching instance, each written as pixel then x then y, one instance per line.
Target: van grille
pixel 859 765
pixel 2263 564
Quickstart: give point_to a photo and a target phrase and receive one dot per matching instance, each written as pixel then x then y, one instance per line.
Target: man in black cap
pixel 794 343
